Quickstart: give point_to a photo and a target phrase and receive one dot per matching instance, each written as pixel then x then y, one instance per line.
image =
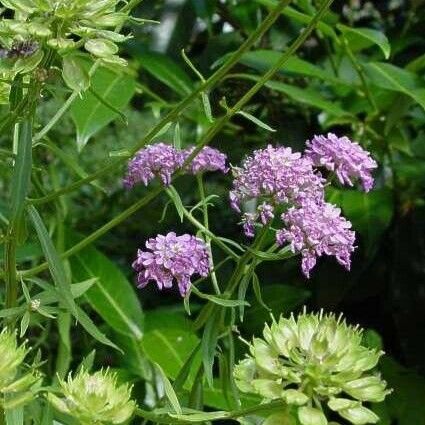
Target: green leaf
pixel 219 299
pixel 311 416
pixel 14 416
pixel 74 74
pixel 169 391
pixel 54 262
pixel 90 114
pixel 112 296
pixel 21 171
pixel 263 60
pixel 368 36
pixel 167 71
pixel 280 419
pixel 169 341
pixel 256 121
pixel 175 197
pixel 101 47
pixel 92 329
pixel 391 77
pixel 370 213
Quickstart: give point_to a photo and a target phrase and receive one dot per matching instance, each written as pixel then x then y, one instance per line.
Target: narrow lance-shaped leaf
pixel 54 262
pixel 22 171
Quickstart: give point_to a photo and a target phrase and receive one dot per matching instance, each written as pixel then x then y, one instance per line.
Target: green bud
pixel 267 388
pixel 311 416
pixel 100 47
pixel 337 404
pixel 280 419
pixel 39 30
pixel 294 397
pixel 94 398
pixel 62 44
pixel 359 415
pixel 370 388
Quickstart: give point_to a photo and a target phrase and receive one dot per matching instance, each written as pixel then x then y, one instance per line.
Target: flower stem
pixel 199 179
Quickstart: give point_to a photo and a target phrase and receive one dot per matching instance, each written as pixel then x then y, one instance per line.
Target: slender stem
pixel 360 72
pixel 199 179
pixel 206 231
pixel 98 233
pixel 173 114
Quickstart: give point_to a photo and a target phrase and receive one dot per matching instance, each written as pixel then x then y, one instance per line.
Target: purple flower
pixel 317 229
pixel 275 176
pixel 172 257
pixel 207 159
pixel 158 160
pixel 347 159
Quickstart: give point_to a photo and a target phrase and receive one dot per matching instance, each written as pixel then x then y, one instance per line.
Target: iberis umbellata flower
pixel 170 258
pixel 347 159
pixel 273 176
pixel 94 399
pixel 159 160
pixel 317 364
pixel 315 230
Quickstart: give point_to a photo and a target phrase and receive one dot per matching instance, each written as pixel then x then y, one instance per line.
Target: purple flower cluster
pixel 162 160
pixel 317 229
pixel 172 257
pixel 158 160
pixel 274 175
pixel 207 159
pixel 347 159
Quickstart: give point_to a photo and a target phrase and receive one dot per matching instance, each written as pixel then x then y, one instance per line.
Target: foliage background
pixel 385 292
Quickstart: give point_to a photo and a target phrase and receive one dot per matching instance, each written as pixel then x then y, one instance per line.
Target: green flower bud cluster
pixel 61 25
pixel 94 398
pixel 314 363
pixel 17 383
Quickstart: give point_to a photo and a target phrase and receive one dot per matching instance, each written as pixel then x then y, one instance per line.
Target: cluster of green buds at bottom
pixel 316 364
pixel 94 398
pixel 18 383
pixel 60 25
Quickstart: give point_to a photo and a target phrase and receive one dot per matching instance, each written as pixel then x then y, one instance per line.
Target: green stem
pixel 206 231
pixel 173 114
pixel 360 72
pixel 199 179
pixel 98 233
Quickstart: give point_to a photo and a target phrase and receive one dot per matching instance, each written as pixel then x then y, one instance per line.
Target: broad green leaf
pixel 90 114
pixel 370 213
pixel 262 60
pixel 368 36
pixel 167 71
pixel 54 262
pixel 391 77
pixel 112 296
pixel 169 341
